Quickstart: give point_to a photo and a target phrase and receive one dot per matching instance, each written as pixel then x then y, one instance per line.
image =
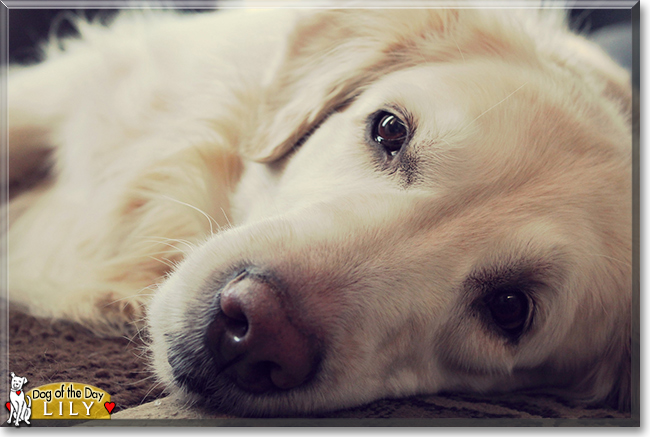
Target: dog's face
pixel 451 226
pixel 17 382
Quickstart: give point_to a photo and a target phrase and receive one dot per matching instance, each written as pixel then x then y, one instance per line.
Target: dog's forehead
pixel 487 119
pixel 452 102
pixel 430 90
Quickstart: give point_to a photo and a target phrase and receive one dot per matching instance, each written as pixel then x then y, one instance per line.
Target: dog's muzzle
pixel 254 340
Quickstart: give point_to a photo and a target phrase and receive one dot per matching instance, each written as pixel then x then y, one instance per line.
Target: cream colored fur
pixel 174 157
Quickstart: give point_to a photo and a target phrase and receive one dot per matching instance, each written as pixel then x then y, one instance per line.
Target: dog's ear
pixel 24 380
pixel 611 379
pixel 330 56
pixel 620 395
pixel 599 71
pixel 12 374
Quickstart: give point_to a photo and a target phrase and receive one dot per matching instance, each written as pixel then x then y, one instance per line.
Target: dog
pixel 314 209
pixel 21 409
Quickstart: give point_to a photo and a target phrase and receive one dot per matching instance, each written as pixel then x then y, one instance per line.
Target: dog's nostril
pixel 236 328
pixel 235 322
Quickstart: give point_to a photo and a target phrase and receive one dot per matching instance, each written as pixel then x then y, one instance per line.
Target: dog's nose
pixel 255 341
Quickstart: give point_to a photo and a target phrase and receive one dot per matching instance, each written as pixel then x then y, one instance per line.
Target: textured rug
pixel 47 352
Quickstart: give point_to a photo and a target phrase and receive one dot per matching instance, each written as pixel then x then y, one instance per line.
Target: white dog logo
pixel 20 408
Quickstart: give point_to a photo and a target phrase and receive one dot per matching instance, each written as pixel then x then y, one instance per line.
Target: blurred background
pixel 28 27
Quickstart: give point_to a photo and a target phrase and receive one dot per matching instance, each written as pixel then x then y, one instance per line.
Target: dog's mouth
pixel 247 342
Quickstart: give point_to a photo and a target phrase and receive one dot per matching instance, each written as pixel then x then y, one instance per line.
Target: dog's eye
pixel 389 132
pixel 509 310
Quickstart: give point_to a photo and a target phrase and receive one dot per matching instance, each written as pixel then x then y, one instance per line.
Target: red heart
pixel 18 392
pixel 109 406
pixel 8 404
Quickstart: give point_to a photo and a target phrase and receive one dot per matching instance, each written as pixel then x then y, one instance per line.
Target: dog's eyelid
pixel 533 274
pixel 404 114
pixel 523 279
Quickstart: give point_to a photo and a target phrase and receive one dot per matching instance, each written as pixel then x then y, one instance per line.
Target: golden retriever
pixel 314 209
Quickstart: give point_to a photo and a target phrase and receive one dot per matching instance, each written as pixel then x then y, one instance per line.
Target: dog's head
pixel 17 382
pixel 435 200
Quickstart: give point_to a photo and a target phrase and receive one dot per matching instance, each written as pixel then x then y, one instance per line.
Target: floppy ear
pixel 24 380
pixel 622 392
pixel 328 59
pixel 611 378
pixel 599 71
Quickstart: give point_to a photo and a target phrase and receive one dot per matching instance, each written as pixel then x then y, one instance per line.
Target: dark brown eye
pixel 389 132
pixel 509 310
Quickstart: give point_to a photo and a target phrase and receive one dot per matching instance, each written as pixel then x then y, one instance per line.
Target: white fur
pixel 168 130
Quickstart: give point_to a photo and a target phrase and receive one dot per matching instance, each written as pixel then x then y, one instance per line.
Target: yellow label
pixel 70 400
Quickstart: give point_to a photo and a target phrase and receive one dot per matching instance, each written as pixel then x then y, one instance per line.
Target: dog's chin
pixel 224 396
pixel 220 391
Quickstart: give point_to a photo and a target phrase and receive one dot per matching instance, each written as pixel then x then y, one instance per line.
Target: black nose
pixel 255 341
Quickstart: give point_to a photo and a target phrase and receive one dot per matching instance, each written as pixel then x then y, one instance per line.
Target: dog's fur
pixel 189 147
pixel 20 409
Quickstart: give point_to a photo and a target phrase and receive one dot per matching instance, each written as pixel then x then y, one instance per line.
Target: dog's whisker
pixel 494 106
pixel 138 331
pixel 131 338
pixel 168 252
pixel 223 211
pixel 167 239
pixel 141 380
pixel 446 142
pixel 210 219
pixel 168 263
pixel 136 295
pixel 176 249
pixel 153 387
pixel 459 50
pixel 625 263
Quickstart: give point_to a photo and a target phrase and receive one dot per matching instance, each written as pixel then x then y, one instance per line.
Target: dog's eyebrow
pixel 517 274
